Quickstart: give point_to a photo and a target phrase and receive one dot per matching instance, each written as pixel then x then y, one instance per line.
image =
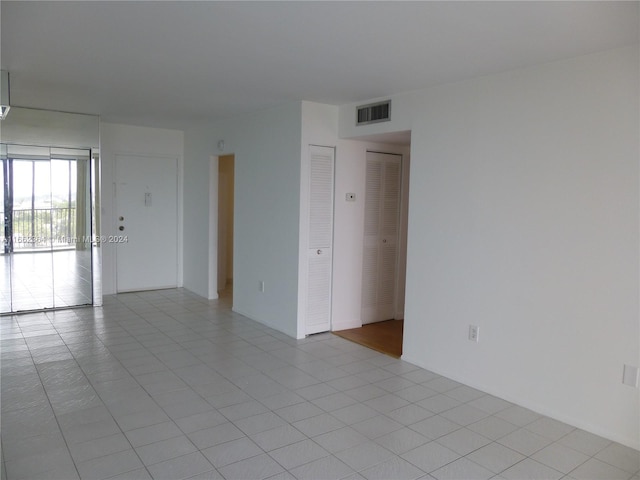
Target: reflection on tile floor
pixel 45 279
pixel 167 385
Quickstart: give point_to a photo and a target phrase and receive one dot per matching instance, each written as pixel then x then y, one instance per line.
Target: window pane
pixel 42 203
pixel 62 211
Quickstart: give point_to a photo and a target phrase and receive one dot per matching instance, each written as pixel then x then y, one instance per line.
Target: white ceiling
pixel 174 63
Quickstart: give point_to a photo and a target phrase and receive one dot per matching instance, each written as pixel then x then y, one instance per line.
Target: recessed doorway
pixel 226 168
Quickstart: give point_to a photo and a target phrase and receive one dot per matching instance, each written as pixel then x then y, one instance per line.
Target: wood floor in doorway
pixel 385 337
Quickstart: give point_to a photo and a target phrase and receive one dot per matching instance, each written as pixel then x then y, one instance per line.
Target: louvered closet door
pixel 381 228
pixel 320 254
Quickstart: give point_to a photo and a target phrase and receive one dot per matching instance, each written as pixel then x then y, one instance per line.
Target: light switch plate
pixel 474 333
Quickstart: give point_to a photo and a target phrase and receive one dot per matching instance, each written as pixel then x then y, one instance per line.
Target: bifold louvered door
pixel 381 228
pixel 320 253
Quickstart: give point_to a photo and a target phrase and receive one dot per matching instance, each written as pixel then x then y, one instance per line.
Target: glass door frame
pixel 86 252
pixel 7 201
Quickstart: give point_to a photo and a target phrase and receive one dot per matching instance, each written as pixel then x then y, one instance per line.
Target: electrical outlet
pixel 261 286
pixel 474 333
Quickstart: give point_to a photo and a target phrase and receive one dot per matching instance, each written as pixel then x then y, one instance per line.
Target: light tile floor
pixel 45 279
pixel 166 385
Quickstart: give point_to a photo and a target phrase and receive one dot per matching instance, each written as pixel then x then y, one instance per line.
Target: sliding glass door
pixel 5 215
pixel 47 255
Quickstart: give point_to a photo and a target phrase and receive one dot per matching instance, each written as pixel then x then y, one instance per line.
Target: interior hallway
pixel 168 385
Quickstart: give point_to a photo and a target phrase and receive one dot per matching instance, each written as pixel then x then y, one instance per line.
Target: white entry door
pixel 381 229
pixel 320 252
pixel 146 222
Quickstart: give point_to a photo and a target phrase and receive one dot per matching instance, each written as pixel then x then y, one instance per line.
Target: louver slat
pixel 373 113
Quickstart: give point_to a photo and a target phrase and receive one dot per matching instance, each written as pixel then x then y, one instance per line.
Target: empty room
pixel 198 197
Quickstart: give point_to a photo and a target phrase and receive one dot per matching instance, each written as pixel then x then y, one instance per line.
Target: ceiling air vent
pixel 373 113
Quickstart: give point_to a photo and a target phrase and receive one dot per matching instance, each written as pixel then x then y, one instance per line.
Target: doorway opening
pixel 226 182
pixel 382 259
pixel 383 172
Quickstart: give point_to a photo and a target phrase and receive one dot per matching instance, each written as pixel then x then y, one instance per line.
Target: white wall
pixel 266 146
pixel 200 244
pixel 524 221
pixel 270 224
pixel 348 237
pixel 117 139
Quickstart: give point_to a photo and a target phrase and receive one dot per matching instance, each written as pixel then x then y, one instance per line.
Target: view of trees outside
pixel 44 204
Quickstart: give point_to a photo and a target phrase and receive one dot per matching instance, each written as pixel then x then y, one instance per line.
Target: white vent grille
pixel 373 113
